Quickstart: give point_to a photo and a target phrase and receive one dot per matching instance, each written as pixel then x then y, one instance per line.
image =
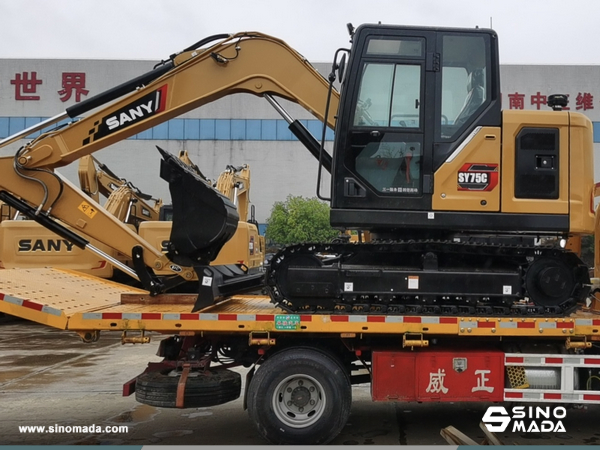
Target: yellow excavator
pixel 125 201
pixel 246 246
pixel 454 191
pixel 25 243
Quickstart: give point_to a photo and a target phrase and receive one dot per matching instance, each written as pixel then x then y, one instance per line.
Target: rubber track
pixel 486 307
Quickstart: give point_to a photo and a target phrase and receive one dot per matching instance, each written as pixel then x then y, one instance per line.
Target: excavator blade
pixel 203 218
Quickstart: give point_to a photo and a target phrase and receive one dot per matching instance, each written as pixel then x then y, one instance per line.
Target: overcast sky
pixel 531 31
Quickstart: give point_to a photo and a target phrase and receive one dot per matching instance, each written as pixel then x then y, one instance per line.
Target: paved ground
pixel 49 377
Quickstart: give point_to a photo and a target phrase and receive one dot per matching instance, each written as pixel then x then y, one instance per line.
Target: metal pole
pixel 33 129
pixel 289 119
pixel 128 270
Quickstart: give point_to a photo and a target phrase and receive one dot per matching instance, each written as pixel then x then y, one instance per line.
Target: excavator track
pixel 442 278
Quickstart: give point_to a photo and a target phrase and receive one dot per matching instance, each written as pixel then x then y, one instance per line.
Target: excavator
pixel 456 193
pixel 24 243
pixel 125 201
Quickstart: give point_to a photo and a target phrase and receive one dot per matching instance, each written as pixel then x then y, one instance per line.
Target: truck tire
pixel 300 396
pixel 209 388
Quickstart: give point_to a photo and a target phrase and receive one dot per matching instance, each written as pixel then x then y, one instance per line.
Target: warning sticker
pixel 287 321
pixel 87 209
pixel 413 282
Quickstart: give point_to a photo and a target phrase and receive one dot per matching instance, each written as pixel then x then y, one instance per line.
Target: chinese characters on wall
pixel 73 86
pixel 583 101
pixel 26 84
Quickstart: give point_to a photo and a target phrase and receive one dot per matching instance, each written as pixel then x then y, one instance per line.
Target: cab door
pixel 386 162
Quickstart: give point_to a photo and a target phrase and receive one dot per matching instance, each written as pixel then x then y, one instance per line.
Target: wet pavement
pixel 49 377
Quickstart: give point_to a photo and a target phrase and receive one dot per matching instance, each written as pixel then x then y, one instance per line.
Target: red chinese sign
pixel 26 84
pixel 73 81
pixel 516 100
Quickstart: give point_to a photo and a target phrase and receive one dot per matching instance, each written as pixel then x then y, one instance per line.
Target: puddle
pixel 141 413
pixel 374 433
pixel 198 414
pixel 174 433
pixel 12 374
pixel 44 360
pixel 83 364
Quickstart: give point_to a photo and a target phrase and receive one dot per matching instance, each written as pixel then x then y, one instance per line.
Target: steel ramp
pixel 52 296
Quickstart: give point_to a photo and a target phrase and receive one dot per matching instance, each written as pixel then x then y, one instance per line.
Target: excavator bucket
pixel 203 218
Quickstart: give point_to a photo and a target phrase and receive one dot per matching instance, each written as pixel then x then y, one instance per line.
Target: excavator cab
pixel 410 98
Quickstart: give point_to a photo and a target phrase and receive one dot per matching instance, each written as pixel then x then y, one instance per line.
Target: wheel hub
pixel 300 397
pixel 299 401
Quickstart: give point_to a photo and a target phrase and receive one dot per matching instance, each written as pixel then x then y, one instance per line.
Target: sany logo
pixel 129 116
pixel 134 112
pixel 496 419
pixel 140 109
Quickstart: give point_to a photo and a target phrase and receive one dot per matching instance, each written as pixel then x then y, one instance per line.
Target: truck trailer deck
pixel 78 302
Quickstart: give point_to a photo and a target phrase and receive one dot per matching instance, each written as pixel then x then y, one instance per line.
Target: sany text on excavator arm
pixel 242 63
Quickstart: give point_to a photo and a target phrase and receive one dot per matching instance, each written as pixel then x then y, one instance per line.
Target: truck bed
pixel 70 300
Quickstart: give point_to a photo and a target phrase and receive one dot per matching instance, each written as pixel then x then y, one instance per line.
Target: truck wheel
pixel 208 388
pixel 300 396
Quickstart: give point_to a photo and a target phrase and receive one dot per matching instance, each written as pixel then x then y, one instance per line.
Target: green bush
pixel 298 220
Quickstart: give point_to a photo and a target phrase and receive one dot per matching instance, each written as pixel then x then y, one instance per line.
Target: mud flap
pixel 217 282
pixel 203 218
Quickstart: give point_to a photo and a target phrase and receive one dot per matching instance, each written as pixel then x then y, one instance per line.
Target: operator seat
pixel 474 99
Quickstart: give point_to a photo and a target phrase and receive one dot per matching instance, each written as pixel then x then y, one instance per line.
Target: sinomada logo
pixel 528 419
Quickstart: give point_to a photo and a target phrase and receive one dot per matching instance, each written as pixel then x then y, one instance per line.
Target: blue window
pixel 223 129
pixel 161 131
pixel 316 128
pixel 596 131
pixel 15 124
pixel 176 129
pixel 4 127
pixel 207 128
pixel 329 134
pixel 238 129
pixel 31 121
pixel 253 129
pixel 191 129
pixel 283 132
pixel 269 130
pixel 146 134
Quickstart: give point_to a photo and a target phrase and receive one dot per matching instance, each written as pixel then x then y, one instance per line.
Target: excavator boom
pixel 246 62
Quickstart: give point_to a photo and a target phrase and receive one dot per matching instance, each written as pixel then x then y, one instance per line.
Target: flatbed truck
pixel 303 365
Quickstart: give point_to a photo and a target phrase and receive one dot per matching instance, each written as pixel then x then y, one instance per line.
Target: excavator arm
pixel 234 183
pixel 123 200
pixel 242 63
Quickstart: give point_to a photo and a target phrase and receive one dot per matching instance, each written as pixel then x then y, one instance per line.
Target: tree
pixel 298 220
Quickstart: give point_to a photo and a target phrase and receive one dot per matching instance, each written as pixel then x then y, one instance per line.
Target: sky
pixel 530 31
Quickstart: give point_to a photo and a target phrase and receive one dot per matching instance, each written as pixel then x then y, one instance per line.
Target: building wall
pixel 240 129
